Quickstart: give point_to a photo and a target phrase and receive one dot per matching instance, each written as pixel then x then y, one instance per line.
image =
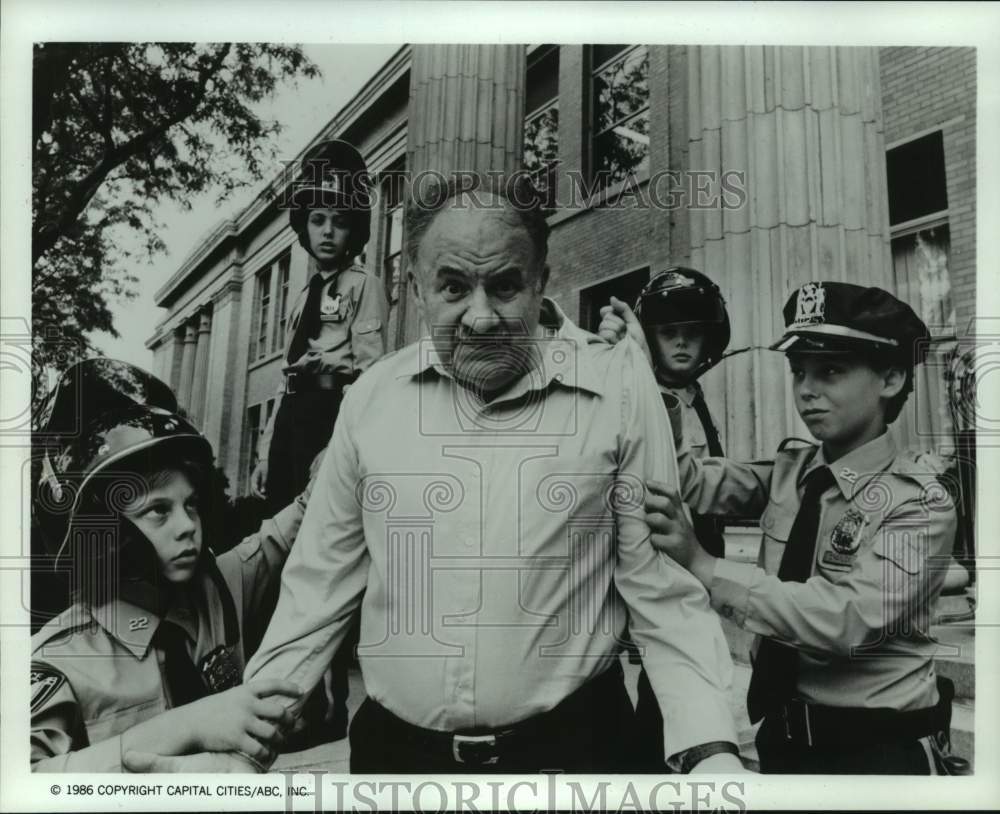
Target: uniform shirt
pixel 694 432
pixel 860 621
pixel 353 314
pixel 96 673
pixel 490 546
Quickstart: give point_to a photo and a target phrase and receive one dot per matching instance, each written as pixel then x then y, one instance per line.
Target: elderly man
pixel 481 504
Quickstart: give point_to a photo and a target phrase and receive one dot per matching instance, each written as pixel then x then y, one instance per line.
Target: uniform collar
pixel 133 618
pixel 565 359
pixel 854 470
pixel 685 394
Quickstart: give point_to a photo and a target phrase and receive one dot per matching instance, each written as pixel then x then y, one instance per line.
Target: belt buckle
pixel 798 727
pixel 290 383
pixel 480 751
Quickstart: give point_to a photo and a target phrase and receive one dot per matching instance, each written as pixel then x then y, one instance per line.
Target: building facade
pixel 762 166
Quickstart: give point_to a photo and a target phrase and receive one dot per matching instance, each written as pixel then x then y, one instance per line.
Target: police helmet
pixel 684 296
pixel 100 413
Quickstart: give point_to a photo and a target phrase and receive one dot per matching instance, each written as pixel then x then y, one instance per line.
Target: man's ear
pixel 414 282
pixel 543 278
pixel 893 381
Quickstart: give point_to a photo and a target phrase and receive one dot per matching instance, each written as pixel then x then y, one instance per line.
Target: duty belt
pixel 311 382
pixel 815 725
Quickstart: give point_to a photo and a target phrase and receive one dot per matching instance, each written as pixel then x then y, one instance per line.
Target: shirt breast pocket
pixel 776 523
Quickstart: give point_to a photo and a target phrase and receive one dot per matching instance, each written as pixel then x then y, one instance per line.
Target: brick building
pixel 854 164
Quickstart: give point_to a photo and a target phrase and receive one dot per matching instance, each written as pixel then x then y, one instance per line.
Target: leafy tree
pixel 118 128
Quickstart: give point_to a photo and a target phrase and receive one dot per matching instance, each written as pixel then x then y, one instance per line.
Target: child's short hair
pixel 880 363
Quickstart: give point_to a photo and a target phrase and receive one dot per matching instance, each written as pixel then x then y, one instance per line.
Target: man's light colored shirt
pixel 490 546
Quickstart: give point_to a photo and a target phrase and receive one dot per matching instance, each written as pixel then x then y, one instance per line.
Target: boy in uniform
pixel 336 331
pixel 841 594
pixel 149 657
pixel 336 328
pixel 681 323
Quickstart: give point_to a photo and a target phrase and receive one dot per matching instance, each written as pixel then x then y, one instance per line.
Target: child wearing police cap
pixel 681 323
pixel 336 327
pixel 149 657
pixel 840 597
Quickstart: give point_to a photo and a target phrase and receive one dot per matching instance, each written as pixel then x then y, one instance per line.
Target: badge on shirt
pixel 329 308
pixel 845 539
pixel 220 670
pixel 45 683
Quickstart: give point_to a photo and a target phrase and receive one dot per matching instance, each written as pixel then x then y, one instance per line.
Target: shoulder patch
pixel 45 682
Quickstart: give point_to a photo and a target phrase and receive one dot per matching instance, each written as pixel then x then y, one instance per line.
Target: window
pixel 921 243
pixel 261 315
pixel 281 313
pixel 251 438
pixel 625 287
pixel 392 232
pixel 620 112
pixel 541 121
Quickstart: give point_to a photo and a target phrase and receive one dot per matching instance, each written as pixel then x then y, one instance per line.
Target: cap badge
pixel 810 308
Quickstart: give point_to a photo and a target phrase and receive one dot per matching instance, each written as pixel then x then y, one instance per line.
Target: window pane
pixel 916 178
pixel 542 82
pixel 602 53
pixel 621 89
pixel 622 150
pixel 920 265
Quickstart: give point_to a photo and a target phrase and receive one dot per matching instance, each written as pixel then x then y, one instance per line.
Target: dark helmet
pixel 684 296
pixel 334 174
pixel 100 413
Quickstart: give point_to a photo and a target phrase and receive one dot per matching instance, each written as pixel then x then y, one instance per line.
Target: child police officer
pixel 843 673
pixel 149 657
pixel 336 329
pixel 681 323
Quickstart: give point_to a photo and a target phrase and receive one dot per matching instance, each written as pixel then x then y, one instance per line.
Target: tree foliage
pixel 118 128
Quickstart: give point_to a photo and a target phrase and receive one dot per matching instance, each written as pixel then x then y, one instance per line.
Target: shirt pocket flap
pixel 777 521
pixel 367 326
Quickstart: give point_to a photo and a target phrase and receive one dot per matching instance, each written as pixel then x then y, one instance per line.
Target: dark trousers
pixel 591 731
pixel 648 749
pixel 779 756
pixel 302 429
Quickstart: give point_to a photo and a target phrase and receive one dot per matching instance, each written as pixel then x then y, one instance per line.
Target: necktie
pixel 774 671
pixel 184 682
pixel 711 433
pixel 308 327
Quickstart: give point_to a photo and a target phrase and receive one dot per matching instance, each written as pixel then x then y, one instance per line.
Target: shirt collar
pixel 565 360
pixel 854 470
pixel 133 617
pixel 685 394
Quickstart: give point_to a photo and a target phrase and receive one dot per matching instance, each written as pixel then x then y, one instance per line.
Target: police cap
pixel 828 317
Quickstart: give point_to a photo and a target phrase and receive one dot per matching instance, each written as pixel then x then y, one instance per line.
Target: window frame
pixel 594 134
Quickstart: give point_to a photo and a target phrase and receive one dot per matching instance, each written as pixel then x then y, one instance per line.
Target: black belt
pixel 481 747
pixel 311 382
pixel 815 725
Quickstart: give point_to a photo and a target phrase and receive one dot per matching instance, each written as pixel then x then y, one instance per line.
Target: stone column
pixel 466 113
pixel 226 378
pixel 805 127
pixel 200 376
pixel 187 366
